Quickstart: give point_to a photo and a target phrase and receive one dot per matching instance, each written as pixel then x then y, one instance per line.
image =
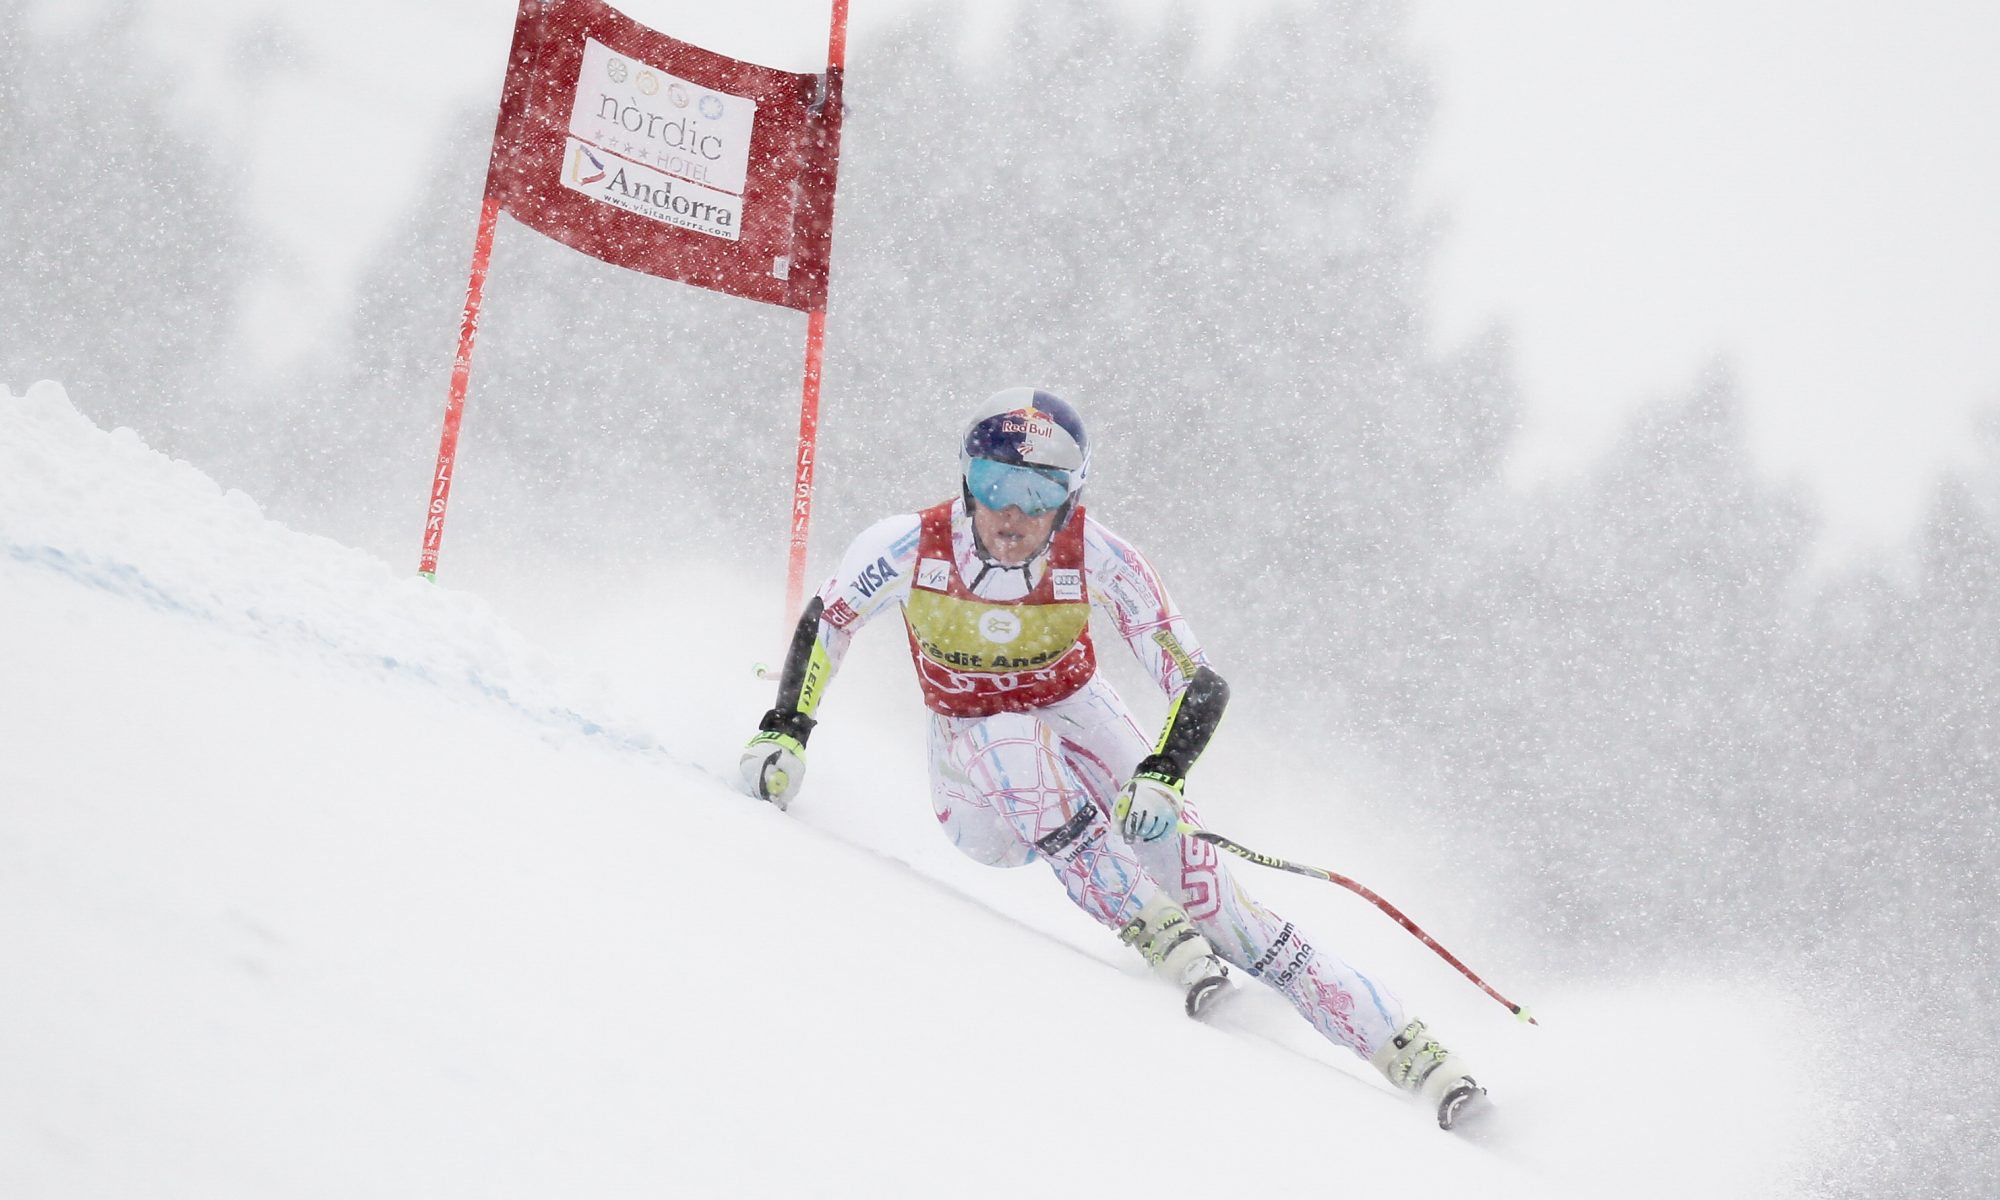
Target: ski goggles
pixel 1033 490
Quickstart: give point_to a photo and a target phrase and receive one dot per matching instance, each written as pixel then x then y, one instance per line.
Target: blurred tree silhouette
pixel 1645 617
pixel 121 273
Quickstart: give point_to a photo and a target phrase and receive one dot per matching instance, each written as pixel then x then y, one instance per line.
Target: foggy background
pixel 1634 704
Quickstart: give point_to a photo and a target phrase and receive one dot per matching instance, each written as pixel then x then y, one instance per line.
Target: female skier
pixel 1033 754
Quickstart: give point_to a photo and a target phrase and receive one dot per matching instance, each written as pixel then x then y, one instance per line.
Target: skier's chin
pixel 1012 550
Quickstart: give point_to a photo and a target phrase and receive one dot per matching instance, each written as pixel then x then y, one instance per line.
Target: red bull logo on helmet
pixel 1025 426
pixel 1039 428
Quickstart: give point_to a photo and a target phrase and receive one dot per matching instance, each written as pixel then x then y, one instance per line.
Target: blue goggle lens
pixel 1033 490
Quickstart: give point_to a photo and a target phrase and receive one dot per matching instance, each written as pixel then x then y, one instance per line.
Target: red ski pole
pixel 1266 860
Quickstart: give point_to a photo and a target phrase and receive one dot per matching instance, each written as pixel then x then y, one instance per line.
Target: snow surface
pixel 321 880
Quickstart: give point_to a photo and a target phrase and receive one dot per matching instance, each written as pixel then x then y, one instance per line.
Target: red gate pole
pixel 802 479
pixel 802 484
pixel 461 373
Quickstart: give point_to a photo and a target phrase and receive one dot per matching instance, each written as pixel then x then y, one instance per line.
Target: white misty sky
pixel 1805 186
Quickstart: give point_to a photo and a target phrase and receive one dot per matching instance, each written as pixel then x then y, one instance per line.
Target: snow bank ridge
pixel 104 510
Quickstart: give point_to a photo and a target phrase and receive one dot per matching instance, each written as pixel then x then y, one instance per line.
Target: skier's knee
pixel 990 843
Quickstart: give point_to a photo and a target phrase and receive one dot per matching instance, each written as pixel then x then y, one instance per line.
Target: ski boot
pixel 1177 950
pixel 1417 1064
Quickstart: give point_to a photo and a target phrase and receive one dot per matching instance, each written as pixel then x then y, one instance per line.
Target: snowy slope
pixel 319 880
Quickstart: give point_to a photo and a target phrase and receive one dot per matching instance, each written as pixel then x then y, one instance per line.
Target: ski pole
pixel 1265 860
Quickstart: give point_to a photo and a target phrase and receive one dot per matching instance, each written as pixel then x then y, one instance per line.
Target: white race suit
pixel 1034 768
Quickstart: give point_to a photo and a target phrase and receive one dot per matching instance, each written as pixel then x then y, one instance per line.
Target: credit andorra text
pixel 967 660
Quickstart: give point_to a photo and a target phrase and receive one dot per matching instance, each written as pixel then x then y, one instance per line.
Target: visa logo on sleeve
pixel 871 578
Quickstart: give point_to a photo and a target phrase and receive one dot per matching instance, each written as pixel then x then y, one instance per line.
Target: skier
pixel 1033 754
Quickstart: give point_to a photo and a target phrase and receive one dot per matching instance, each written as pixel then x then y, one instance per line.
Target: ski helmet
pixel 1025 448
